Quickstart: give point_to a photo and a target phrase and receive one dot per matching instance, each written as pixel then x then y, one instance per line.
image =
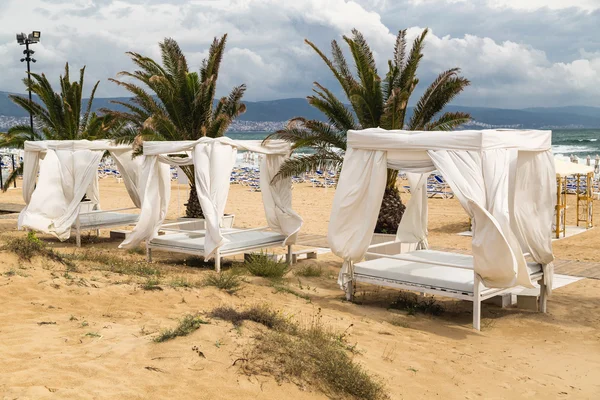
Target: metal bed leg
pixel 288 257
pixel 476 303
pixel 98 232
pixel 218 262
pixel 148 254
pixel 78 238
pixel 543 296
pixel 350 290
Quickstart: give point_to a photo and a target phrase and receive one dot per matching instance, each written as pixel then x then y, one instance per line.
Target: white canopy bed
pixel 504 179
pixel 68 171
pixel 213 160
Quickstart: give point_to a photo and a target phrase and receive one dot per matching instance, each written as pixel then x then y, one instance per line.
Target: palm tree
pixel 374 102
pixel 179 104
pixel 58 116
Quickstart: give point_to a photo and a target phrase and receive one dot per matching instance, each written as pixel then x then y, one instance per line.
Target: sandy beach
pixel 87 334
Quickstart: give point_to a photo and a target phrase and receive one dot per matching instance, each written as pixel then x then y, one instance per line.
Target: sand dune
pixel 98 340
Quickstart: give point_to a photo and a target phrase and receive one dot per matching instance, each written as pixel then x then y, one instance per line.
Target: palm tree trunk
pixel 392 208
pixel 192 207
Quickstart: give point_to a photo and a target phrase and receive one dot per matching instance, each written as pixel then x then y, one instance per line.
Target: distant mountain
pixel 284 109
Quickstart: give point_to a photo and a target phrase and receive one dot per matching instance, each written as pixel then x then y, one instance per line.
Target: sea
pixel 565 142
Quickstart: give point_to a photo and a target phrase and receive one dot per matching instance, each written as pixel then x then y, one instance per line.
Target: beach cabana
pixel 68 171
pixel 504 179
pixel 213 160
pixel 582 186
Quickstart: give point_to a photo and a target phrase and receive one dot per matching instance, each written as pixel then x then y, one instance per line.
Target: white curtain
pixel 496 262
pixel 356 204
pixel 64 179
pixel 155 190
pixel 213 163
pixel 413 226
pixel 130 169
pixel 277 199
pixel 533 204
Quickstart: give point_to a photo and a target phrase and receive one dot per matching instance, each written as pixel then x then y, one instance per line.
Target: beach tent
pixel 213 160
pixel 504 179
pixel 68 170
pixel 577 179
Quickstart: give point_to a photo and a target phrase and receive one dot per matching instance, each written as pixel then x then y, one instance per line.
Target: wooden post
pixel 577 197
pixel 558 207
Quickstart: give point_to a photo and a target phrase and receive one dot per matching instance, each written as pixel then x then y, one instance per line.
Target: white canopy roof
pixel 213 160
pixel 565 168
pixel 68 171
pixel 504 179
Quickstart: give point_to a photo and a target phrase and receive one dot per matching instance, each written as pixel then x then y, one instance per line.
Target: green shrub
pixel 261 264
pixel 411 303
pixel 309 271
pixel 187 325
pixel 227 281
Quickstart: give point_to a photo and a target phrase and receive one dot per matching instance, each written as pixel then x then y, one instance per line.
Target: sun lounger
pixel 102 219
pixel 435 272
pixel 240 241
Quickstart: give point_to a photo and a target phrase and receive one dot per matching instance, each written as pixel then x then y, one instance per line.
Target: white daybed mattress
pixel 194 241
pixel 106 219
pixel 439 277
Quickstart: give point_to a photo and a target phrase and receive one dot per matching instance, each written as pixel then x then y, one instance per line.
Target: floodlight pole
pixel 27 39
pixel 28 59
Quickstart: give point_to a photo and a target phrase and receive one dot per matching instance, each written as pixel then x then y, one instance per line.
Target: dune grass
pixel 411 303
pixel 310 356
pixel 187 325
pixel 309 271
pixel 261 264
pixel 228 281
pixel 30 246
pixel 117 264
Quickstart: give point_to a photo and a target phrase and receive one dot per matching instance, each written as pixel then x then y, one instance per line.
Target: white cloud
pixel 266 49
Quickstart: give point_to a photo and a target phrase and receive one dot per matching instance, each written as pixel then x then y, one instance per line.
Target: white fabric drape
pixel 413 226
pixel 64 179
pixel 504 179
pixel 355 207
pixel 213 163
pixel 213 160
pixel 68 169
pixel 495 260
pixel 533 207
pixel 130 169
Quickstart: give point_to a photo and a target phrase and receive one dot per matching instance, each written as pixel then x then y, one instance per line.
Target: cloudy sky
pixel 517 53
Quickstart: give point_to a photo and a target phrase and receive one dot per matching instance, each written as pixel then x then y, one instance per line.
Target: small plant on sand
pixel 227 281
pixel 411 303
pixel 285 289
pixel 309 271
pixel 152 284
pixel 261 264
pixel 30 246
pixel 187 325
pixel 307 355
pixel 182 282
pixel 118 265
pixel 260 314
